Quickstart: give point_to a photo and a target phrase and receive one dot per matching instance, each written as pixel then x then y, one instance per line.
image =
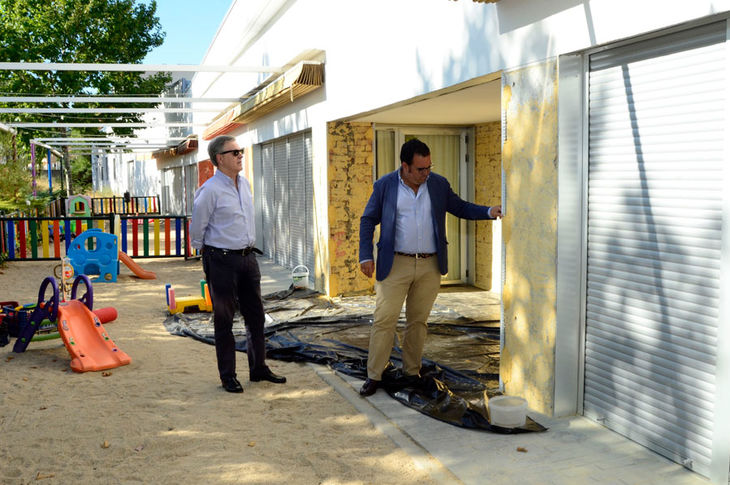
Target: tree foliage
pixel 77 31
pixel 81 173
pixel 16 187
pixel 16 182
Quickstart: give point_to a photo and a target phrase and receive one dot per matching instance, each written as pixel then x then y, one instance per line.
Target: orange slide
pixel 90 346
pixel 135 268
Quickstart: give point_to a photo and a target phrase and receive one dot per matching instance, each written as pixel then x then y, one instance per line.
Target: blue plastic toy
pixel 102 260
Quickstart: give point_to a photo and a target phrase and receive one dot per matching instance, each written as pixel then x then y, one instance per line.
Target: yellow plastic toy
pixel 64 272
pixel 189 303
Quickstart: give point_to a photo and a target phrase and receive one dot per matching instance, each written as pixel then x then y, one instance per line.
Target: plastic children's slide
pixel 90 346
pixel 135 268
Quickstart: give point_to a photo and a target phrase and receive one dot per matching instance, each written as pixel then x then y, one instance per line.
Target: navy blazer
pixel 381 209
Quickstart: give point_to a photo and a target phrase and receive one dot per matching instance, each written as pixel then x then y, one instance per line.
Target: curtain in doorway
pixel 445 158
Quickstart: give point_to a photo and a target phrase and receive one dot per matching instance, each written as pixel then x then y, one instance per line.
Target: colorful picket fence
pixel 44 238
pixel 149 204
pixel 104 206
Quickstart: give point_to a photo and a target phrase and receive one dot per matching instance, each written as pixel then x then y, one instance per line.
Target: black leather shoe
pixel 412 381
pixel 267 375
pixel 369 388
pixel 232 385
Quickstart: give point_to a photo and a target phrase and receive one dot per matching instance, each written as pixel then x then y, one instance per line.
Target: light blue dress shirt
pixel 414 222
pixel 223 217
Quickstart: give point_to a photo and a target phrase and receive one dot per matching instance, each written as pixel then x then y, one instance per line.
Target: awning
pixel 224 124
pixel 304 77
pixel 187 146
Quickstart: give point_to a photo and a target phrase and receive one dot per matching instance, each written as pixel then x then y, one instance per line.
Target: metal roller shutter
pixel 309 191
pixel 269 234
pixel 191 182
pixel 282 254
pixel 297 200
pixel 655 175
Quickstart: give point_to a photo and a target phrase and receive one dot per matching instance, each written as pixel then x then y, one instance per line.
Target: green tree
pixel 78 31
pixel 15 186
pixel 81 173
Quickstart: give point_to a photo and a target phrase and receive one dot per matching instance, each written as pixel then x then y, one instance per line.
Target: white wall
pixel 381 51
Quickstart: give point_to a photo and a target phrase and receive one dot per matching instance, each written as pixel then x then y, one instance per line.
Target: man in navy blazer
pixel 410 204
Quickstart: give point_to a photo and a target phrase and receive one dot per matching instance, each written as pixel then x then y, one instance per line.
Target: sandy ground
pixel 164 418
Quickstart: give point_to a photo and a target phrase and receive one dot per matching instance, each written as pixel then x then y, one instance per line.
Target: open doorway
pixel 462 127
pixel 449 153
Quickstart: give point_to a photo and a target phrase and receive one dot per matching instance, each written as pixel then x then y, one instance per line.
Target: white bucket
pixel 507 411
pixel 300 277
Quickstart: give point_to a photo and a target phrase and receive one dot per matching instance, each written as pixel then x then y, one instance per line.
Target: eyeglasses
pixel 424 169
pixel 234 152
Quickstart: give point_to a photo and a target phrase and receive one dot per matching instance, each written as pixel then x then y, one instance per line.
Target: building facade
pixel 600 126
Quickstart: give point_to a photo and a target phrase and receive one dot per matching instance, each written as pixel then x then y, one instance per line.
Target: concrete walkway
pixel 574 450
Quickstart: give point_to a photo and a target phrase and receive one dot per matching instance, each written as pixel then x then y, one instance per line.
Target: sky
pixel 190 26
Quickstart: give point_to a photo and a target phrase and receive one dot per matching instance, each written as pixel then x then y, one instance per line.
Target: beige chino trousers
pixel 417 282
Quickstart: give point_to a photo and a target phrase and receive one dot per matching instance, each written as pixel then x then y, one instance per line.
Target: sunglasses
pixel 234 152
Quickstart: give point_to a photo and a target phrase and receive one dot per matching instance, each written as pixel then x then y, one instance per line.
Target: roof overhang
pixel 187 146
pixel 304 77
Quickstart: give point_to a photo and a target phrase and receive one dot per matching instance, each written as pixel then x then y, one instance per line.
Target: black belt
pixel 242 252
pixel 416 255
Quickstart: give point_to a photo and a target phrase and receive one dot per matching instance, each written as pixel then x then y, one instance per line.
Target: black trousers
pixel 234 282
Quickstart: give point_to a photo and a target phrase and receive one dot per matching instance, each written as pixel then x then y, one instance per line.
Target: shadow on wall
pixel 514 15
pixel 650 303
pixel 482 53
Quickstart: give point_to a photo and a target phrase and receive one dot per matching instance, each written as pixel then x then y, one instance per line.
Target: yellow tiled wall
pixel 529 232
pixel 350 182
pixel 487 191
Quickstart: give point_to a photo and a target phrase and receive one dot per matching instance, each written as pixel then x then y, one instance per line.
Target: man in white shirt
pixel 410 204
pixel 222 226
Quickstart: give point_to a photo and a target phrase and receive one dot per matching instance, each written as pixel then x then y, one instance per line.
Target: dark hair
pixel 412 147
pixel 216 146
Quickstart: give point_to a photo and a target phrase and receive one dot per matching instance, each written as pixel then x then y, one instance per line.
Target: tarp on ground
pixel 303 326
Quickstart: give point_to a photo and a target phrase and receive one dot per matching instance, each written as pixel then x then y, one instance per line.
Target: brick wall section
pixel 487 191
pixel 350 182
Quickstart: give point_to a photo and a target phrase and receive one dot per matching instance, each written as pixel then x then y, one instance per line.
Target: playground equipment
pixel 189 303
pixel 27 326
pixel 135 268
pixel 78 206
pixel 36 321
pixel 64 273
pixel 14 318
pixel 94 252
pixel 85 338
pixel 5 322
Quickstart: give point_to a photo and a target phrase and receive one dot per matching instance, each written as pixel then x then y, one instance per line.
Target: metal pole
pixel 32 165
pixel 50 178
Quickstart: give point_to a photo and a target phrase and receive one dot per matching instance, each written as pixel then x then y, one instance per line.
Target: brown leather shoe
pixel 369 388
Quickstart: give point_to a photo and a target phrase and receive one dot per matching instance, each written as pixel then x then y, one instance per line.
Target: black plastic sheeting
pixel 457 397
